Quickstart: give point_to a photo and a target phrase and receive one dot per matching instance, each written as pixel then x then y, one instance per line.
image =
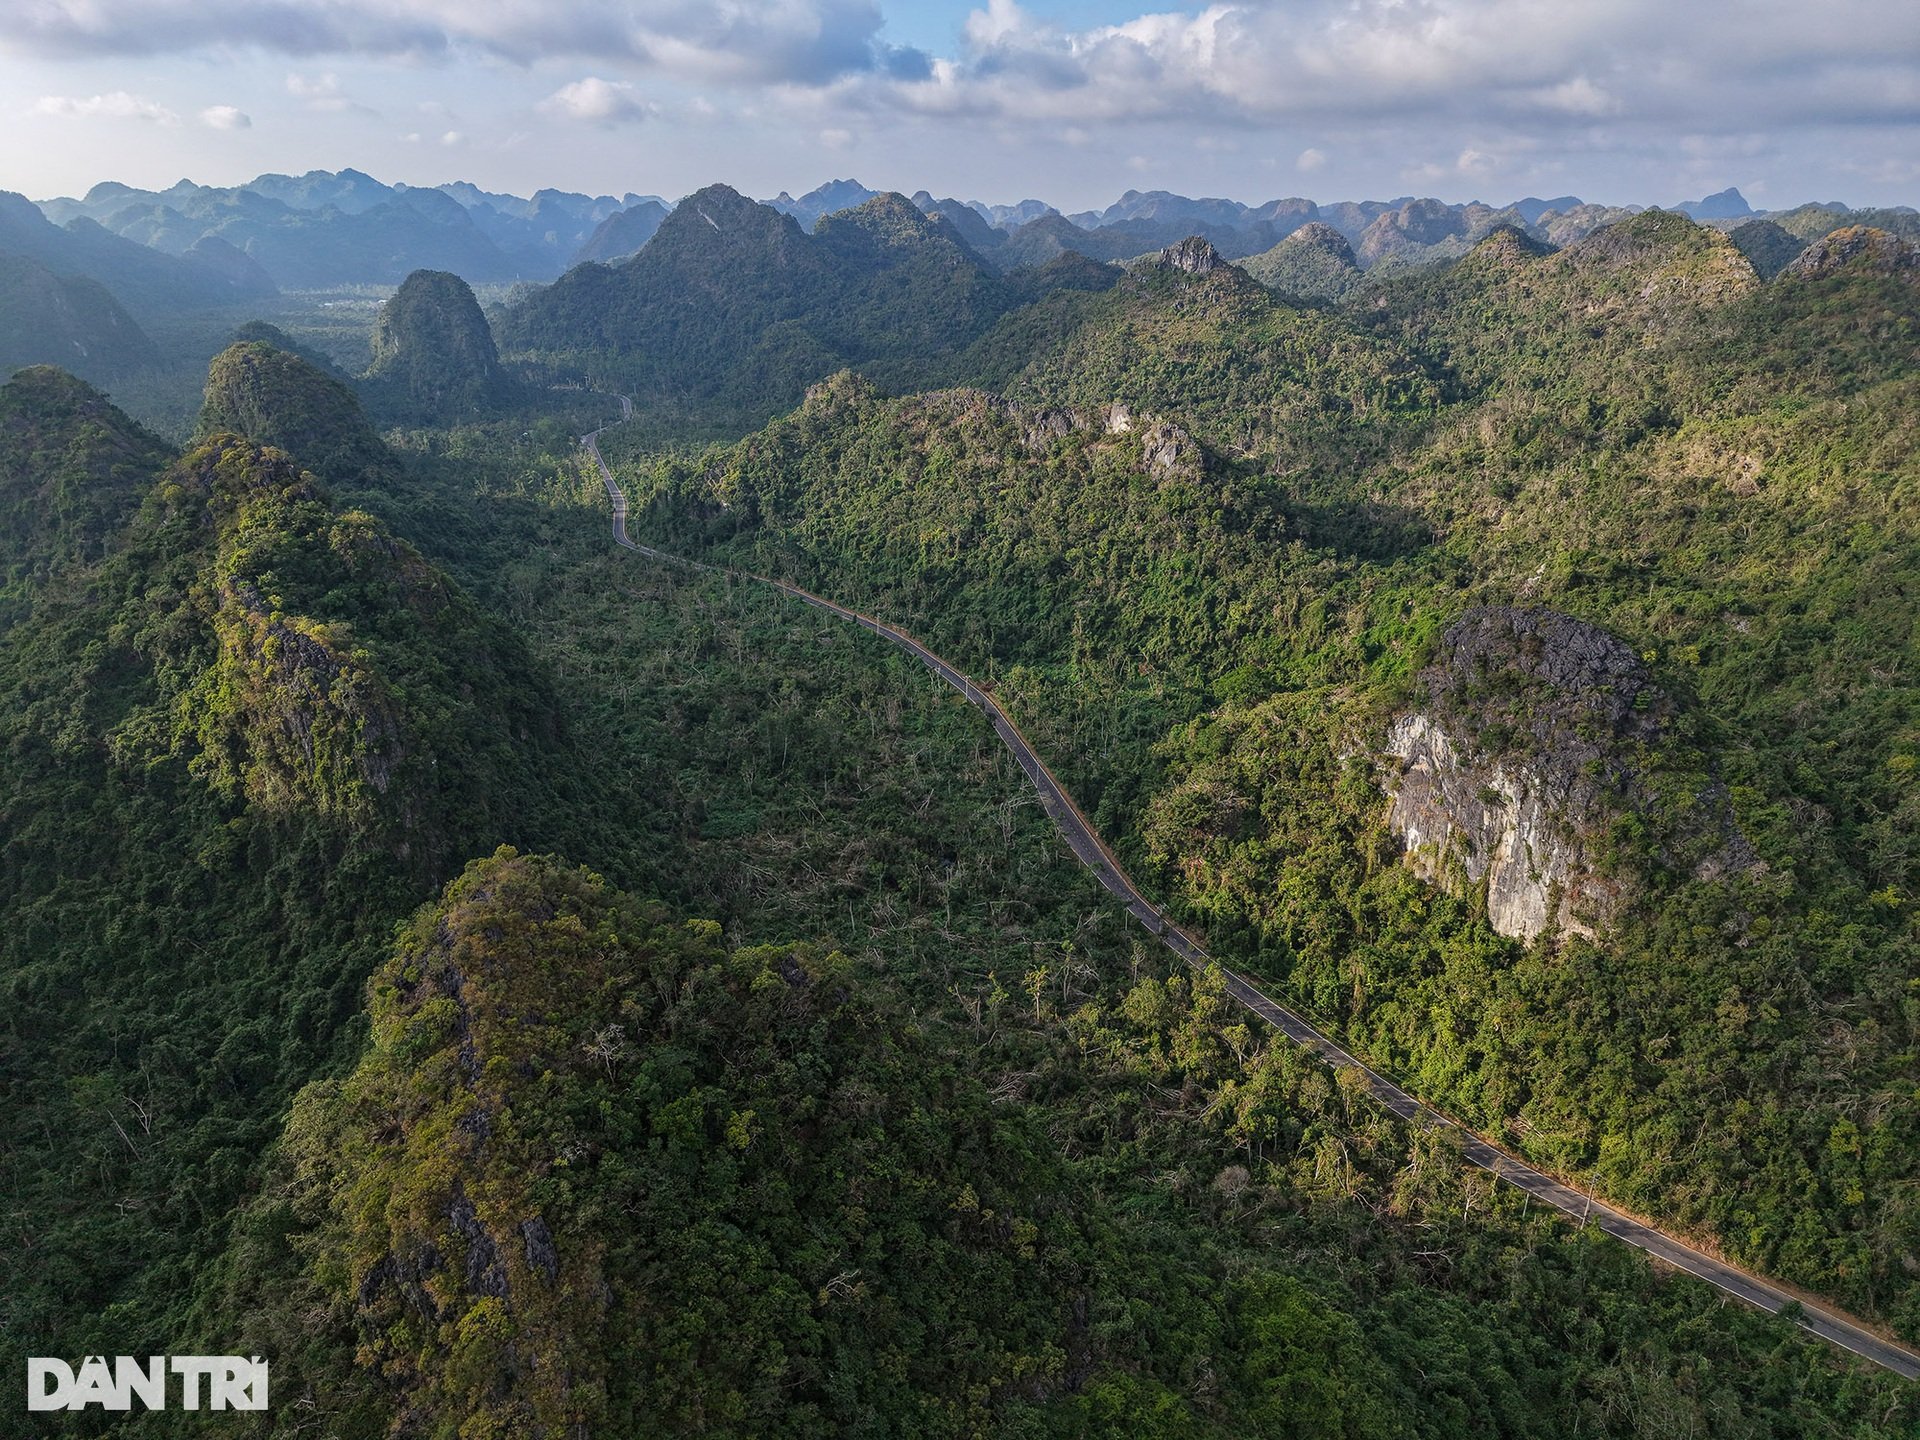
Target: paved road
pixel 1091 850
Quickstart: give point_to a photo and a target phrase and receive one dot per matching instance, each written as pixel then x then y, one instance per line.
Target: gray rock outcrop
pixel 1859 248
pixel 1501 823
pixel 1537 741
pixel 1193 255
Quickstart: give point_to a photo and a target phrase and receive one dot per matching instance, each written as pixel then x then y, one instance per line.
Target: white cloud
pixel 1626 89
pixel 453 138
pixel 1233 62
pixel 1902 170
pixel 597 102
pixel 117 105
pixel 319 92
pixel 1001 20
pixel 1469 164
pixel 226 117
pixel 801 41
pixel 1526 63
pixel 1578 96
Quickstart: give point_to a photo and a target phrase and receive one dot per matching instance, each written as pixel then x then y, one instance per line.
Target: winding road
pixel 1086 844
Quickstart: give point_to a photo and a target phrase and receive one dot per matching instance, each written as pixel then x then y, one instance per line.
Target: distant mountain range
pixel 1407 230
pixel 735 305
pixel 328 228
pixel 337 228
pixel 158 255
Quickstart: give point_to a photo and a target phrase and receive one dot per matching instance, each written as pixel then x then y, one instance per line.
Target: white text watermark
pixel 213 1382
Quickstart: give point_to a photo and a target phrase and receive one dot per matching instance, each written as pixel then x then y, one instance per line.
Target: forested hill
pixel 732 309
pixel 272 396
pixel 242 731
pixel 433 355
pixel 72 469
pixel 1212 597
pixel 65 320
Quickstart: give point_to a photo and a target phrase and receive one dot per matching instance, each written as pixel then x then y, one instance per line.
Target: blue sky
pixel 937 24
pixel 1617 100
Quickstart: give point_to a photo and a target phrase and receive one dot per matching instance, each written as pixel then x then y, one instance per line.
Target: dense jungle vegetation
pixel 523 989
pixel 1211 612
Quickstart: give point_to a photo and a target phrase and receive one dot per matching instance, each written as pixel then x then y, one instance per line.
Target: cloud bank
pixel 1464 92
pixel 1542 62
pixel 800 41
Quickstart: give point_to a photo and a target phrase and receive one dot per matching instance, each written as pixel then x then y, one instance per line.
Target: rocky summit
pixel 1864 248
pixel 1193 255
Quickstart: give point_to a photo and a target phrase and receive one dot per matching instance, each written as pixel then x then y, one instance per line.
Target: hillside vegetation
pixel 1211 610
pixel 732 310
pixel 434 359
pixel 47 319
pixel 242 731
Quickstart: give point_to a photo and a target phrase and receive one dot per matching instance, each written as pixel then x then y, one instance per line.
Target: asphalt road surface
pixel 1087 846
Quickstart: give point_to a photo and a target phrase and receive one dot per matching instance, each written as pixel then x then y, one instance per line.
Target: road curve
pixel 1085 842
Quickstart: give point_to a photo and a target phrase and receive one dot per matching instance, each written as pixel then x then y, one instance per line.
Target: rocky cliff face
pixel 1503 823
pixel 1166 450
pixel 1538 764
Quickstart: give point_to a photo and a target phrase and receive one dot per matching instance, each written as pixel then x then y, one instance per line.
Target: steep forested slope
pixel 1315 261
pixel 872 1115
pixel 1184 1227
pixel 433 355
pixel 1188 337
pixel 71 469
pixel 270 395
pixel 232 752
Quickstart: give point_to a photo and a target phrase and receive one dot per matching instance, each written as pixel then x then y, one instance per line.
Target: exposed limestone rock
pixel 1536 736
pixel 1193 255
pixel 844 389
pixel 468 1266
pixel 1044 427
pixel 1496 823
pixel 1167 450
pixel 1860 248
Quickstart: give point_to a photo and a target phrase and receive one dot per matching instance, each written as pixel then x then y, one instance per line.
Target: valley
pixel 1092 852
pixel 532 984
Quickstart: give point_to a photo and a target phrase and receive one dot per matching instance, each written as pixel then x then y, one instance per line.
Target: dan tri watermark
pixel 217 1382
